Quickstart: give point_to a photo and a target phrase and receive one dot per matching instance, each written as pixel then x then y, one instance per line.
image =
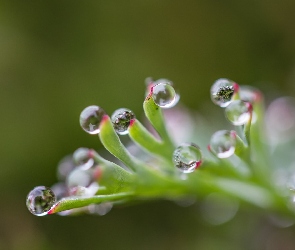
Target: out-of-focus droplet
pixel 60 190
pixel 83 158
pixel 249 94
pixel 223 143
pixel 79 177
pixel 187 157
pixel 65 167
pixel 164 95
pixel 222 92
pixel 218 209
pixel 84 191
pixel 280 120
pixel 90 119
pixel 40 200
pixel 100 209
pixel 121 120
pixel 238 112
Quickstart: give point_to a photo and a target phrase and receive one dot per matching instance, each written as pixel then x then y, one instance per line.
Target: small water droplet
pixel 187 157
pixel 218 209
pixel 121 120
pixel 60 190
pixel 100 209
pixel 164 95
pixel 90 119
pixel 79 177
pixel 249 94
pixel 223 143
pixel 40 200
pixel 222 92
pixel 83 157
pixel 238 112
pixel 65 167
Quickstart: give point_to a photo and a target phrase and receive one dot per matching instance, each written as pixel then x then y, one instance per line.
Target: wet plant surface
pixel 237 169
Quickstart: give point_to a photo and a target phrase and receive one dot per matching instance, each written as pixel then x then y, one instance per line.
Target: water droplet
pixel 222 92
pixel 164 95
pixel 60 190
pixel 249 94
pixel 100 209
pixel 90 119
pixel 187 157
pixel 223 143
pixel 83 157
pixel 238 112
pixel 218 209
pixel 65 167
pixel 121 120
pixel 84 191
pixel 79 177
pixel 40 200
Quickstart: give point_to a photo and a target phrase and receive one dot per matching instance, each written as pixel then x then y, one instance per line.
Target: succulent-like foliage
pixel 238 165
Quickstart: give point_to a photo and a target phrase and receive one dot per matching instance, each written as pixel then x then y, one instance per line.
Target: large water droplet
pixel 164 95
pixel 187 157
pixel 238 112
pixel 222 92
pixel 223 143
pixel 90 119
pixel 121 120
pixel 40 200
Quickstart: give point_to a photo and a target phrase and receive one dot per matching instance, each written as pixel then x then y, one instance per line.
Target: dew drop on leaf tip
pixel 40 200
pixel 90 119
pixel 223 143
pixel 222 92
pixel 164 95
pixel 187 157
pixel 238 112
pixel 121 119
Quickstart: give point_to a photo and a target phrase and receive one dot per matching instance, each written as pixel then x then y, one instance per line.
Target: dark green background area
pixel 57 57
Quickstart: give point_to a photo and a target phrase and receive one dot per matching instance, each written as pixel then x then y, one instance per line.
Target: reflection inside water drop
pixel 223 143
pixel 164 95
pixel 187 157
pixel 121 120
pixel 90 119
pixel 238 112
pixel 40 200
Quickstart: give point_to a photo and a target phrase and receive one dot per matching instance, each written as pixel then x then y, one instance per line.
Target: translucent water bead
pixel 40 200
pixel 238 112
pixel 90 119
pixel 223 143
pixel 187 157
pixel 164 95
pixel 84 158
pixel 222 92
pixel 121 120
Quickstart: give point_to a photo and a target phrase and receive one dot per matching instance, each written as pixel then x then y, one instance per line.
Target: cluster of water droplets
pixel 237 101
pixel 77 174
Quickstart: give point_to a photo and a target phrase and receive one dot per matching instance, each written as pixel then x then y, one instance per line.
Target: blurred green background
pixel 57 57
